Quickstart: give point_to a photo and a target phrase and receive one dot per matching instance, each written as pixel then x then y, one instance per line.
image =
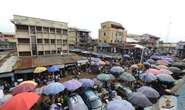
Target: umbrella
pixel 148 92
pixel 162 67
pixel 165 71
pixel 139 99
pixel 53 88
pixel 153 71
pixel 175 69
pixel 25 86
pixel 162 62
pixel 87 82
pixel 72 85
pixel 112 77
pixel 22 101
pixel 148 77
pixel 134 66
pixel 154 66
pixel 53 68
pixel 146 63
pixel 178 64
pixel 155 57
pixel 126 56
pixel 119 105
pixel 39 69
pixel 127 77
pixel 165 78
pixel 117 70
pixel 151 61
pixel 103 77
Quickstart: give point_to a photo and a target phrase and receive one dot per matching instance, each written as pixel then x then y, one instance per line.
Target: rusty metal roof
pixel 31 62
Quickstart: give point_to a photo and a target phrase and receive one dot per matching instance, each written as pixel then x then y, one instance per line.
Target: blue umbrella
pixel 53 68
pixel 146 63
pixel 103 77
pixel 53 88
pixel 148 92
pixel 139 99
pixel 155 57
pixel 87 82
pixel 166 78
pixel 127 77
pixel 72 85
pixel 119 105
pixel 126 56
pixel 148 77
pixel 117 70
pixel 151 61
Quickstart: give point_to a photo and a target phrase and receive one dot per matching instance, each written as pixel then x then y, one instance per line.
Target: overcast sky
pixel 137 16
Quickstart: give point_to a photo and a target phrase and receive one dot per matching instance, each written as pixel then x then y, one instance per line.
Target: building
pixel 35 36
pixel 146 40
pixel 7 41
pixel 112 33
pixel 78 38
pixel 167 47
pixel 180 49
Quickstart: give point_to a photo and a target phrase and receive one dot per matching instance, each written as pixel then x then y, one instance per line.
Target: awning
pixel 25 71
pixel 4 75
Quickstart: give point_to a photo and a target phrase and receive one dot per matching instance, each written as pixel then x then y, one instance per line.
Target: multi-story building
pixel 35 36
pixel 146 40
pixel 78 38
pixel 7 41
pixel 112 32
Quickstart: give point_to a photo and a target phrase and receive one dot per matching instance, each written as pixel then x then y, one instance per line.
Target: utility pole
pixel 169 29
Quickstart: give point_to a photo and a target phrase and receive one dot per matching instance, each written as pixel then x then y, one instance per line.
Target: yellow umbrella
pixel 40 69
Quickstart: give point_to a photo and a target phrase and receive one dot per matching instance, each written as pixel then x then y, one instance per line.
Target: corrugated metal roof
pixel 8 65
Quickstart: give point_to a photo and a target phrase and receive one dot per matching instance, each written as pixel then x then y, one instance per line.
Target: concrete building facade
pixel 78 38
pixel 112 32
pixel 35 36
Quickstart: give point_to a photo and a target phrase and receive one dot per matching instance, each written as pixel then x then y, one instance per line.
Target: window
pixel 22 27
pixel 39 41
pixel 59 41
pixel 59 31
pixel 46 41
pixel 47 52
pixel 23 40
pixel 46 30
pixel 104 34
pixel 64 31
pixel 39 29
pixel 32 29
pixel 23 53
pixel 53 52
pixel 41 53
pixel 64 42
pixel 52 30
pixel 52 41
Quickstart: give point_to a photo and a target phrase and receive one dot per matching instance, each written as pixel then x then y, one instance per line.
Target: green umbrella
pixel 103 77
pixel 127 77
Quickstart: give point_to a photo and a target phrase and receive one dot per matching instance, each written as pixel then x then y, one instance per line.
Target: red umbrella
pixel 26 86
pixel 22 101
pixel 153 71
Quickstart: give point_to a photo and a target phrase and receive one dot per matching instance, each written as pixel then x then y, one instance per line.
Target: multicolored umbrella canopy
pixel 117 70
pixel 153 71
pixel 148 77
pixel 25 86
pixel 22 101
pixel 53 68
pixel 119 105
pixel 134 66
pixel 166 78
pixel 87 82
pixel 162 67
pixel 148 92
pixel 103 77
pixel 151 61
pixel 175 69
pixel 165 71
pixel 163 62
pixel 72 85
pixel 127 77
pixel 139 99
pixel 53 88
pixel 39 69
